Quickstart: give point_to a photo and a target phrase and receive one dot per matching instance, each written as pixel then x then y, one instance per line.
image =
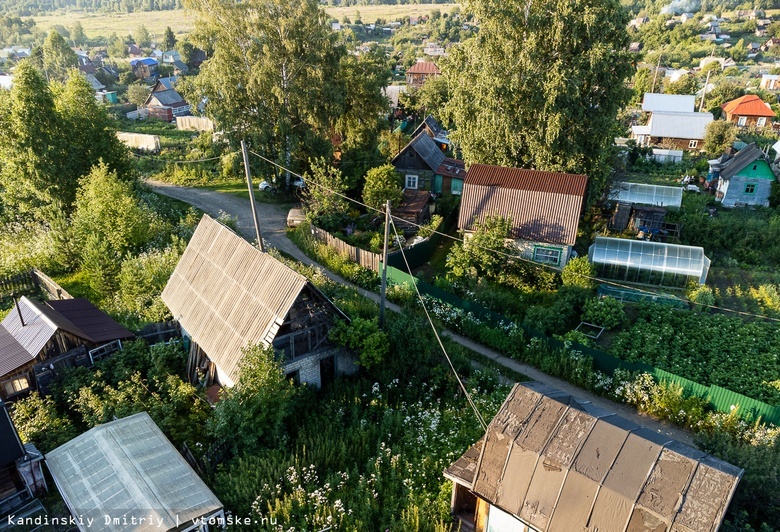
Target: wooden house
pixel 169 101
pixel 423 165
pixel 145 68
pixel 544 208
pixel 744 179
pixel 420 72
pixel 227 295
pixel 431 127
pixel 35 332
pixel 748 111
pixel 551 462
pixel 128 470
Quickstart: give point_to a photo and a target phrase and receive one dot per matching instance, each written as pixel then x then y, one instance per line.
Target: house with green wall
pixel 423 166
pixel 744 179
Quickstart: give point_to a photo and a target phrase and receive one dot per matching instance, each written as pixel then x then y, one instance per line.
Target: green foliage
pixel 604 311
pixel 116 46
pixel 169 39
pixel 58 58
pixel 382 185
pixel 137 93
pixel 579 272
pixel 559 317
pixel 685 85
pixel 485 253
pixel 428 229
pixel 142 37
pixel 250 415
pixel 664 401
pixel 37 421
pixel 364 337
pixel 513 100
pixel 702 296
pixel 718 136
pixel 322 197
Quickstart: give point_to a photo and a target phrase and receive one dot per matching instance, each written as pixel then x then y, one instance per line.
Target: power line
pixel 184 162
pixel 516 257
pixel 438 339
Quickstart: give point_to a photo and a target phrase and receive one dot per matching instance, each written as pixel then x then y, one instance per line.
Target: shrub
pixel 579 272
pixel 702 297
pixel 364 337
pixel 604 311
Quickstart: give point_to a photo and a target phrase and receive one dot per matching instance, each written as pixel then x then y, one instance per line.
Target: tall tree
pixel 541 84
pixel 142 37
pixel 169 39
pixel 58 57
pixel 77 34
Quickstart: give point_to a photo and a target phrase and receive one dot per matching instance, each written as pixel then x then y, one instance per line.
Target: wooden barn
pixel 226 294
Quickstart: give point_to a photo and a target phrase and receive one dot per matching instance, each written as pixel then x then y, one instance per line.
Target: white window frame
pixel 693 144
pixel 742 121
pixel 761 121
pixel 548 255
pixel 412 181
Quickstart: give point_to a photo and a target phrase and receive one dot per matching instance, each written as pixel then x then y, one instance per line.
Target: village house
pixel 742 179
pixel 227 295
pixel 423 165
pixel 164 102
pixel 544 208
pixel 549 461
pixel 134 51
pixel 145 68
pixel 748 111
pixel 770 82
pixel 128 470
pixel 420 72
pixel 673 124
pixel 21 474
pixel 768 45
pixel 171 56
pixel 34 333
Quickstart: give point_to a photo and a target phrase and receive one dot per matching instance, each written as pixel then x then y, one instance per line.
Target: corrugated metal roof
pixel 128 469
pixel 426 149
pixel 423 67
pixel 679 125
pixel 748 105
pixel 679 103
pixel 744 157
pixel 560 464
pixel 543 206
pixel 169 98
pixel 95 325
pixel 452 168
pixel 228 294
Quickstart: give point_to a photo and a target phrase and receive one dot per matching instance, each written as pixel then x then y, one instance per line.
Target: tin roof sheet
pixel 676 125
pixel 96 325
pixel 680 103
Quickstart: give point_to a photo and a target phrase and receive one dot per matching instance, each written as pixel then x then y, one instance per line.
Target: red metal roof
pixel 452 168
pixel 748 105
pixel 523 179
pixel 423 67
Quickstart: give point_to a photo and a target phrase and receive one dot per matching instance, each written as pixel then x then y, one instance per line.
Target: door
pixel 327 371
pixel 437 184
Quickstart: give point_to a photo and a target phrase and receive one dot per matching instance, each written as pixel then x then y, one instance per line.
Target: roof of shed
pixel 128 468
pixel 680 103
pixel 748 105
pixel 426 148
pixel 227 294
pixel 679 125
pixel 168 98
pixel 744 157
pixel 559 463
pixel 95 325
pixel 423 67
pixel 543 206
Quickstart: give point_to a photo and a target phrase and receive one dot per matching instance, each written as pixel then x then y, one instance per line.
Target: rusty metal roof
pixel 227 294
pixel 423 67
pixel 543 206
pixel 94 324
pixel 557 463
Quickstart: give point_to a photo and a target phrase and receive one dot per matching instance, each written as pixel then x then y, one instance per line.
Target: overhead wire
pixel 186 162
pixel 519 258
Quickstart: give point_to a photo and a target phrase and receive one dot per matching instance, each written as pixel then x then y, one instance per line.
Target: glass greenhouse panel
pixel 647 194
pixel 655 263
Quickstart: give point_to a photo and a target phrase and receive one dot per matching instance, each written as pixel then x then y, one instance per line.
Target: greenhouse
pixel 649 263
pixel 647 194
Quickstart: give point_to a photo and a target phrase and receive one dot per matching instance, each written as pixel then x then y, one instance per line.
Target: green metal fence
pixel 722 400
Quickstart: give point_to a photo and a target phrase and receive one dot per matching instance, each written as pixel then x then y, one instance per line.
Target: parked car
pixel 265 186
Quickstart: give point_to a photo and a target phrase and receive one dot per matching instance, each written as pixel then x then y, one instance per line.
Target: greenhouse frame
pixel 648 263
pixel 647 194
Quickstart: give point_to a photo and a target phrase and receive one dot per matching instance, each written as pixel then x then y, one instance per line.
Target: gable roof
pixel 736 164
pixel 128 468
pixel 679 103
pixel 144 61
pixel 94 324
pixel 678 125
pixel 96 85
pixel 426 148
pixel 543 206
pixel 439 133
pixel 164 84
pixel 748 105
pixel 559 463
pixel 166 98
pixel 227 294
pixel 423 67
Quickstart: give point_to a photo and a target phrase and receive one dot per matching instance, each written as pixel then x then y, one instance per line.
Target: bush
pixel 579 272
pixel 364 337
pixel 604 311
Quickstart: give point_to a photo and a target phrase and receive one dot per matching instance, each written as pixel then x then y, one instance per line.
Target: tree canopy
pixel 540 85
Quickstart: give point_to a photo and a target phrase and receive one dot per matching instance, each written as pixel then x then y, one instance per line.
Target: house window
pixel 742 121
pixel 693 143
pixel 411 181
pixel 750 188
pixel 547 255
pixel 500 521
pixel 761 121
pixel 15 385
pixel 456 188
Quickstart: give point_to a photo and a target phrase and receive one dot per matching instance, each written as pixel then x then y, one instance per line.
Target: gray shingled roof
pixel 737 163
pixel 558 463
pixel 427 149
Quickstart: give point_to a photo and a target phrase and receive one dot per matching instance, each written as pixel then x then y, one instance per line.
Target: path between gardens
pixel 273 227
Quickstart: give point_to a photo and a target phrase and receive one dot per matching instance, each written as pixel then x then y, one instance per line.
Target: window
pixel 547 255
pixel 693 143
pixel 411 181
pixel 750 188
pixel 761 121
pixel 15 385
pixel 742 121
pixel 456 188
pixel 500 521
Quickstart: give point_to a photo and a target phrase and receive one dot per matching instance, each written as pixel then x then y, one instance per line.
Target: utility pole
pixel 704 90
pixel 384 268
pixel 655 76
pixel 252 196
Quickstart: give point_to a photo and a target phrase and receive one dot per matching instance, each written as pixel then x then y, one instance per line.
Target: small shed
pixel 126 475
pixel 414 210
pixel 649 263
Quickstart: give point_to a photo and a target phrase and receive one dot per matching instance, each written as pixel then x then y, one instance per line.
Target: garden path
pixel 273 227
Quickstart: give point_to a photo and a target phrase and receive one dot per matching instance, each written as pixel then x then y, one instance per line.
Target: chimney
pixel 18 309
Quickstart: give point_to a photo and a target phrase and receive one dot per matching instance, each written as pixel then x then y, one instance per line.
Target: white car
pixel 265 186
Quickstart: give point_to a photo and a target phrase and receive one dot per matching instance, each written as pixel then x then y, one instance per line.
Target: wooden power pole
pixel 383 291
pixel 252 197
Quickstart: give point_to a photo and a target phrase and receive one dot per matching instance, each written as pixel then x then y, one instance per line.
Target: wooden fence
pixel 50 287
pixel 365 258
pixel 18 285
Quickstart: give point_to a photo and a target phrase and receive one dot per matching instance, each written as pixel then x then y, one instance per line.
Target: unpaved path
pixel 272 225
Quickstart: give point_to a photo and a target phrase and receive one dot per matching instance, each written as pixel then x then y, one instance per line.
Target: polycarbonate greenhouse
pixel 647 194
pixel 650 263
